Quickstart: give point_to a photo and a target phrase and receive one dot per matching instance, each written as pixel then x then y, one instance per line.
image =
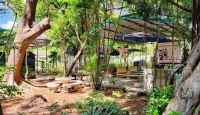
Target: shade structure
pixel 134 50
pixel 39 43
pixel 2 29
pixel 116 53
pixel 141 37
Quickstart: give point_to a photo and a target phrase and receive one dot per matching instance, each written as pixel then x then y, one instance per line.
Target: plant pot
pixel 138 84
pixel 110 70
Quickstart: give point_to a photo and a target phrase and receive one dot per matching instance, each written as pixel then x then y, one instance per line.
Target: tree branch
pixel 180 6
pixel 37 30
pixel 77 36
pixel 29 15
pixel 191 63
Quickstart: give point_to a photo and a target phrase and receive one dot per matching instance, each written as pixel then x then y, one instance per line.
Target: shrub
pixel 158 100
pixel 96 73
pixel 111 80
pixel 99 104
pixel 117 94
pixel 175 113
pixel 54 71
pixel 6 90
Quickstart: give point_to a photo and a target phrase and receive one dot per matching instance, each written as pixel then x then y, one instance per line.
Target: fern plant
pixel 99 104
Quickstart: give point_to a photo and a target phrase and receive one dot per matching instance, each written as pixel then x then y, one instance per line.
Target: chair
pixel 133 69
pixel 120 70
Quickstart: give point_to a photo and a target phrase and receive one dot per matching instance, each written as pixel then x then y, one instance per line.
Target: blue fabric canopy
pixel 141 37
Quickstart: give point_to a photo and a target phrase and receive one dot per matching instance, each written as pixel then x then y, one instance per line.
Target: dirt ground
pixel 39 101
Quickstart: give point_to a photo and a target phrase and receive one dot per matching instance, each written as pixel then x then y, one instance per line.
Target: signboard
pixel 165 55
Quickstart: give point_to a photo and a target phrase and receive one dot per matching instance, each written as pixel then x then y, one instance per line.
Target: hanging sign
pixel 165 55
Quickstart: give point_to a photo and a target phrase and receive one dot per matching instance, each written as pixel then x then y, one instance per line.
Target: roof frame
pixel 140 25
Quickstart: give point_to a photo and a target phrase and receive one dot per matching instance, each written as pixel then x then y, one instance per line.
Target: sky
pixel 6 19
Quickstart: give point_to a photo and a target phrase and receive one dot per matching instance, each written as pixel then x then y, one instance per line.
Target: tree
pixel 53 55
pixel 187 93
pixel 28 30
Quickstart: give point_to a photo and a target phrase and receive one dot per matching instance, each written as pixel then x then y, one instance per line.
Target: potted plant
pixel 110 68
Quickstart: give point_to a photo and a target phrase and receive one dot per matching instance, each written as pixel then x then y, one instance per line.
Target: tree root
pixel 33 85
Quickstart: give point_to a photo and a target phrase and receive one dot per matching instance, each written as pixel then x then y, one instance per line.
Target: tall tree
pixel 28 30
pixel 187 93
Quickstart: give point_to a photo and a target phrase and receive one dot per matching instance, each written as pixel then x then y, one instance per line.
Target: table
pixel 132 74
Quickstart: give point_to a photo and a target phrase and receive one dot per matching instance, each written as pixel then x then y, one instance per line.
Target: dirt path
pixel 37 101
pixel 40 101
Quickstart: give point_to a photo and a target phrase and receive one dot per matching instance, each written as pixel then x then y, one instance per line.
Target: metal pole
pixel 37 62
pixel 14 64
pixel 46 56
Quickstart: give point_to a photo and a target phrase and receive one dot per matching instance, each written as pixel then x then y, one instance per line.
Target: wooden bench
pixel 120 70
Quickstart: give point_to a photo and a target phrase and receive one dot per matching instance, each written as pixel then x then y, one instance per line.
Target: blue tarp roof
pixel 140 37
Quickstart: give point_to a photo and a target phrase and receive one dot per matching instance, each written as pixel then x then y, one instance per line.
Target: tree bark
pixel 187 93
pixel 27 32
pixel 26 63
pixel 64 62
pixel 191 63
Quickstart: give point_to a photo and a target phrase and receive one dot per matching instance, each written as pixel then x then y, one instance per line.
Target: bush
pixel 54 71
pixel 117 94
pixel 175 113
pixel 158 100
pixel 6 90
pixel 99 104
pixel 96 73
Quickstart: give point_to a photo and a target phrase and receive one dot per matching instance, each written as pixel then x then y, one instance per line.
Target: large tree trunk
pixel 187 96
pixel 76 58
pixel 27 32
pixel 187 93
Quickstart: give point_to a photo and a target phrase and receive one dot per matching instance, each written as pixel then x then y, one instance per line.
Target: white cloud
pixel 7 25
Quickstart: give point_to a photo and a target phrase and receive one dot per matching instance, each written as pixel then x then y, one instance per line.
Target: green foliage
pixel 99 104
pixel 54 71
pixel 112 81
pixel 112 65
pixel 17 6
pixel 53 106
pixel 96 72
pixel 31 72
pixel 117 94
pixel 2 72
pixel 175 113
pixel 158 100
pixel 6 90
